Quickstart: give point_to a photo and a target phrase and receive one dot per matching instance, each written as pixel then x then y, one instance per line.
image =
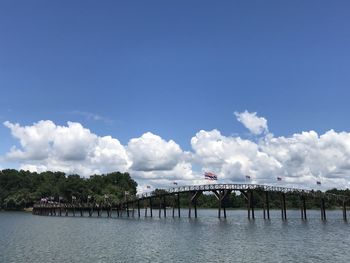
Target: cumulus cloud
pixel 71 149
pixel 232 157
pixel 300 159
pixel 151 153
pixel 250 120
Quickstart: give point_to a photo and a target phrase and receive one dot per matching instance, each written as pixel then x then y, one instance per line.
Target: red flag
pixel 210 176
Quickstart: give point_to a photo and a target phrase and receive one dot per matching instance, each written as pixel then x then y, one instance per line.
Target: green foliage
pixel 19 189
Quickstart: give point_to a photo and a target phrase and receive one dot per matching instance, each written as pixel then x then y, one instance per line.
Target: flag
pixel 175 183
pixel 318 182
pixel 73 197
pixel 148 186
pixel 247 177
pixel 210 176
pixel 279 178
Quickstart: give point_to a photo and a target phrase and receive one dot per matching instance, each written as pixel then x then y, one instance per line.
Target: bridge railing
pixel 235 187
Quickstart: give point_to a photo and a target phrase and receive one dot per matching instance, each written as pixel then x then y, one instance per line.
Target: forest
pixel 21 189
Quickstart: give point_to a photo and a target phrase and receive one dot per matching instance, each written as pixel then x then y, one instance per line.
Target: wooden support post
pixel 164 206
pixel 189 204
pixel 178 205
pixel 303 207
pixel 220 204
pixel 264 210
pixel 133 208
pixel 323 210
pixel 195 207
pixel 145 206
pixel 267 204
pixel 60 211
pixel 138 207
pixel 118 210
pixel 344 211
pixel 283 207
pixel 252 203
pixel 81 211
pixel 223 204
pixel 221 195
pixel 127 209
pixel 160 207
pixel 174 205
pixel 248 204
pixel 91 210
pixel 150 206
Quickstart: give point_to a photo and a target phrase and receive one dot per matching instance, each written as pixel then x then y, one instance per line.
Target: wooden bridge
pixel 133 204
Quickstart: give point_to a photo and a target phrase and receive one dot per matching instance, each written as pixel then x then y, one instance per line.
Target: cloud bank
pixel 300 159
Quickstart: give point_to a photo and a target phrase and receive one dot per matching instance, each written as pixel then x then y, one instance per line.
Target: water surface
pixel 28 238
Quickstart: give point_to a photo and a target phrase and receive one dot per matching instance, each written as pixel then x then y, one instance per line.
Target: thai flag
pixel 318 182
pixel 210 176
pixel 279 178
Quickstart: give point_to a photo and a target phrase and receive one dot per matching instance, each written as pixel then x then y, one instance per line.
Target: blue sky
pixel 123 68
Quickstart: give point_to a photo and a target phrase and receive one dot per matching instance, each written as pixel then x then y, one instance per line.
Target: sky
pixel 166 90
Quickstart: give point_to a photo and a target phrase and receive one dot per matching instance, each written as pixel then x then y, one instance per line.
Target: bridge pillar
pixel 133 208
pixel 160 206
pixel 138 207
pixel 221 195
pixel 251 203
pixel 267 205
pixel 192 200
pixel 118 210
pixel 91 210
pixel 150 206
pixel 127 209
pixel 344 211
pixel 145 206
pixel 303 207
pixel 164 206
pixel 176 203
pixel 323 210
pixel 283 207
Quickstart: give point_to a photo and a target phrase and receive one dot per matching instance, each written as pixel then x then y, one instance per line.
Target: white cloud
pixel 151 153
pixel 250 120
pixel 71 149
pixel 301 159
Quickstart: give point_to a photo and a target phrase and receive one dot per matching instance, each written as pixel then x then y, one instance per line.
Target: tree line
pixel 20 189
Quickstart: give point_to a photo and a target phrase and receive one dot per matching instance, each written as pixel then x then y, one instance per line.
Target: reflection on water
pixel 27 238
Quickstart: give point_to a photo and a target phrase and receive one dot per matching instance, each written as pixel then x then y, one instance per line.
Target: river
pixel 28 238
